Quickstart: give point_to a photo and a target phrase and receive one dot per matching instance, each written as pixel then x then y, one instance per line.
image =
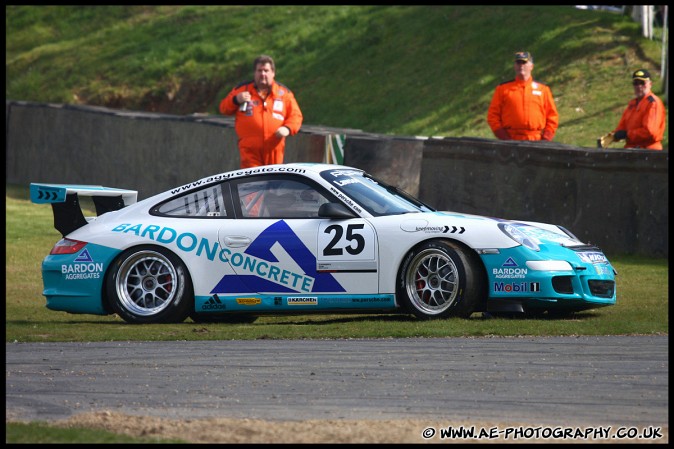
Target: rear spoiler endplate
pixel 64 199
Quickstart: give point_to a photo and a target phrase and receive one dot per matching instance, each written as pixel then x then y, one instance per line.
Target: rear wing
pixel 64 199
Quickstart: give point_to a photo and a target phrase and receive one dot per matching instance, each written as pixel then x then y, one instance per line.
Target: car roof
pixel 292 167
pixel 310 169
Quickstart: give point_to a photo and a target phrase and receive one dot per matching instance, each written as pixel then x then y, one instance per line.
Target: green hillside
pixel 404 70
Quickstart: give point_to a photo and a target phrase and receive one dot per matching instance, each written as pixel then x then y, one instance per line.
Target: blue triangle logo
pixel 84 256
pixel 509 263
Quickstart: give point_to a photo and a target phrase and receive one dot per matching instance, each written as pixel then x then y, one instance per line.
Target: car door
pixel 280 245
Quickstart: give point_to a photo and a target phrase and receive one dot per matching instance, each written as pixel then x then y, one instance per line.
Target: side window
pixel 250 197
pixel 207 202
pixel 278 198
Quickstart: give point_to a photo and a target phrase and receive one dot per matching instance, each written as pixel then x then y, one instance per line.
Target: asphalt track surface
pixel 583 381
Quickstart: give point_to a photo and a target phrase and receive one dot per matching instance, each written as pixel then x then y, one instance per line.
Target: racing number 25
pixel 351 235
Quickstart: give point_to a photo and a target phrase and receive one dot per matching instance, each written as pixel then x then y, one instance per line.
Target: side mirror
pixel 335 210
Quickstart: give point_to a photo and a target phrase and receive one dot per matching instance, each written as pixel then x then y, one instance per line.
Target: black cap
pixel 641 74
pixel 524 56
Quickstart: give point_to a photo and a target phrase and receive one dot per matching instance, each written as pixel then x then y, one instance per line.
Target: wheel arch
pixel 106 300
pixel 465 249
pixel 482 270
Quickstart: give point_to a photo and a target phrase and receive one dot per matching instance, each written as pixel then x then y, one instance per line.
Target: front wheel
pixel 439 279
pixel 149 285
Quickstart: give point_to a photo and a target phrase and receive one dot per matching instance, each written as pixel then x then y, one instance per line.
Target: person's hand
pixel 502 134
pixel 606 140
pixel 242 97
pixel 547 135
pixel 282 132
pixel 620 134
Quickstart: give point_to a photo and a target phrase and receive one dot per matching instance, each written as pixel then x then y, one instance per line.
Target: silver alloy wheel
pixel 432 281
pixel 146 283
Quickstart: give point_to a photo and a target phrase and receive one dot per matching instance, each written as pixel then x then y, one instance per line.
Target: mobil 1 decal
pixel 259 270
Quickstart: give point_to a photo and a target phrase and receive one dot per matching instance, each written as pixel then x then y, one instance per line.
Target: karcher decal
pixel 302 301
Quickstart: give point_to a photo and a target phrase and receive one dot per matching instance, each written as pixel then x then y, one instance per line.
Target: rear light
pixel 67 246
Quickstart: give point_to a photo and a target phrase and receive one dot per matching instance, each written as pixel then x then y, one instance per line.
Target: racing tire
pixel 441 279
pixel 149 284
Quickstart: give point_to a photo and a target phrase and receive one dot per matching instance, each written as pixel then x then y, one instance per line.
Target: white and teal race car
pixel 302 238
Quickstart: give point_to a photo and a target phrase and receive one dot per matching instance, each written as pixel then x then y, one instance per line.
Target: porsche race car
pixel 300 238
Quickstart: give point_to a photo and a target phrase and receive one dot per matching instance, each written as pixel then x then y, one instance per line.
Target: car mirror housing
pixel 335 210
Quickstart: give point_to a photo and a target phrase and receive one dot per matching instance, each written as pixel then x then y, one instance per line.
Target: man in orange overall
pixel 523 109
pixel 266 113
pixel 643 122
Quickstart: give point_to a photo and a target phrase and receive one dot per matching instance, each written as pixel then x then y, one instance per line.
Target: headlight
pixel 549 265
pixel 520 237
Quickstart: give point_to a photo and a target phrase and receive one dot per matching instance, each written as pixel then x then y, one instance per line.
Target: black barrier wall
pixel 615 199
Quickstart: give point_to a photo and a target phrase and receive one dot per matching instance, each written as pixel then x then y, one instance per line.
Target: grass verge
pixel 39 433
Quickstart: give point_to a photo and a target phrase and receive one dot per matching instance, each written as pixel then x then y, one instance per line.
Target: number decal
pixel 351 236
pixel 346 245
pixel 330 250
pixel 360 241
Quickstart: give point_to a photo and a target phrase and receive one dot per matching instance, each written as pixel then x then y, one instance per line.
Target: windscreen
pixel 376 197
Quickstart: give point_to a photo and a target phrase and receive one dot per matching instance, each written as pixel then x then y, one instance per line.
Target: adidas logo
pixel 213 303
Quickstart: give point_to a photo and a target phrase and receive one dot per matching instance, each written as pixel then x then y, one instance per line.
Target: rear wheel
pixel 149 285
pixel 439 279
